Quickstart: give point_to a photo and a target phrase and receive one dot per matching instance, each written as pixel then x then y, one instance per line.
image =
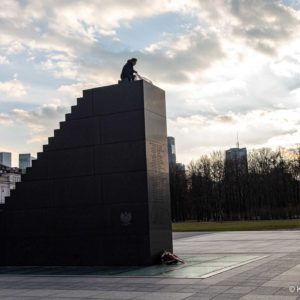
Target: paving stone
pixel 11 292
pixel 215 289
pixel 78 294
pixel 116 295
pixel 228 296
pixel 265 290
pixel 268 278
pixel 289 291
pixel 199 297
pixel 164 296
pixel 41 292
pixel 24 298
pixel 172 288
pixel 270 297
pixel 192 289
pixel 255 283
pixel 284 284
pixel 239 290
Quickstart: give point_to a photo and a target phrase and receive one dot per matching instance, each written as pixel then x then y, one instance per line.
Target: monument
pixel 98 194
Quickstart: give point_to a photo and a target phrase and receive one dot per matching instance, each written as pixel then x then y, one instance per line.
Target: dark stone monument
pixel 98 194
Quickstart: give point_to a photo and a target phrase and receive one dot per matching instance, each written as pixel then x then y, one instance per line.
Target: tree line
pixel 211 189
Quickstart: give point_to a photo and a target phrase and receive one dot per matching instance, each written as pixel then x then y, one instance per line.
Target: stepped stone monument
pixel 98 194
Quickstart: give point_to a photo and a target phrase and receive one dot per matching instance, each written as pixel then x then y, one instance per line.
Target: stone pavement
pixel 276 275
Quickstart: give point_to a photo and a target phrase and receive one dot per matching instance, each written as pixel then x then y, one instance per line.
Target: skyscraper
pixel 25 160
pixel 236 161
pixel 171 151
pixel 5 159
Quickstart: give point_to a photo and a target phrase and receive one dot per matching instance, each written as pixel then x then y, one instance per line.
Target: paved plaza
pixel 220 265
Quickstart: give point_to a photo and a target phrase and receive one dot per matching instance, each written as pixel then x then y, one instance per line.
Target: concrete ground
pixel 276 275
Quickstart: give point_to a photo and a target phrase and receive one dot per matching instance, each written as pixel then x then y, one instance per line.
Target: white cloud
pixel 5 119
pixel 41 115
pixel 74 90
pixel 182 58
pixel 261 25
pixel 9 9
pixel 40 121
pixel 15 48
pixel 287 66
pixel 62 67
pixel 12 89
pixel 4 60
pixel 76 21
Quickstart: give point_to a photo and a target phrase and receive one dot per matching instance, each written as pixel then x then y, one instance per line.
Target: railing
pixel 140 77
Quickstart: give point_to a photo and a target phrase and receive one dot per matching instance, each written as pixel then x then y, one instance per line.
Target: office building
pixel 171 151
pixel 25 160
pixel 5 159
pixel 236 161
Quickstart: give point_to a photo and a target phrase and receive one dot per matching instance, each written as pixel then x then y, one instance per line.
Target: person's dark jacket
pixel 128 71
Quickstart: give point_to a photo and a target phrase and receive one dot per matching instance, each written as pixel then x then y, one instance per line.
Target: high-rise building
pixel 236 161
pixel 171 151
pixel 5 159
pixel 25 160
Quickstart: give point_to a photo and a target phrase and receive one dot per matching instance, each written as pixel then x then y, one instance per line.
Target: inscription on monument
pixel 157 171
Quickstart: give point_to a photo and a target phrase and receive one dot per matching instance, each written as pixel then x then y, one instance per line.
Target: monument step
pixel 79 100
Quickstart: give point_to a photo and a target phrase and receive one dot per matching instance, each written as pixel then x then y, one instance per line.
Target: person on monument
pixel 128 73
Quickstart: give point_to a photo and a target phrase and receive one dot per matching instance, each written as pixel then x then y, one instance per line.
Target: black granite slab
pixel 99 193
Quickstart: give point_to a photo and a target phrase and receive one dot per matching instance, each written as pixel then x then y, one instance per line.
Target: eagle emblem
pixel 125 218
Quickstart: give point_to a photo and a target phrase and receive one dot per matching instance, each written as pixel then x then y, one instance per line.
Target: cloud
pixel 12 89
pixel 40 121
pixel 287 66
pixel 41 115
pixel 261 25
pixel 264 25
pixel 73 20
pixel 57 26
pixel 15 48
pixel 74 90
pixel 3 60
pixel 94 17
pixel 62 66
pixel 181 58
pixel 10 9
pixel 225 119
pixel 5 119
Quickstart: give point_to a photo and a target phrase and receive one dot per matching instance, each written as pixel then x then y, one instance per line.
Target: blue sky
pixel 226 66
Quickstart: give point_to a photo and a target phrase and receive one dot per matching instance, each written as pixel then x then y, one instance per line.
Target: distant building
pixel 5 159
pixel 236 162
pixel 171 151
pixel 25 161
pixel 8 179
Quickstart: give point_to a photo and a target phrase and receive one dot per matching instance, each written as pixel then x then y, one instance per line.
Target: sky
pixel 227 66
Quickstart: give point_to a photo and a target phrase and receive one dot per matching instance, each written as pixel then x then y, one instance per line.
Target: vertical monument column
pixel 99 192
pixel 157 169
